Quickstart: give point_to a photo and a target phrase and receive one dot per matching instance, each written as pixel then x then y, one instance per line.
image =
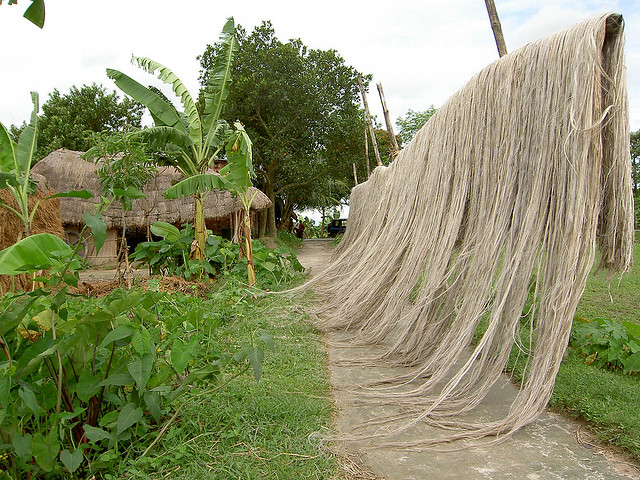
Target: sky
pixel 422 51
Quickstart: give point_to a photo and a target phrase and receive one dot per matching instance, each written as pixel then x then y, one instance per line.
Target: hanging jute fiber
pixel 498 202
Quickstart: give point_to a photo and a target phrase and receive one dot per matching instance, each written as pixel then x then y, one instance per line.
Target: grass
pixel 255 429
pixel 614 298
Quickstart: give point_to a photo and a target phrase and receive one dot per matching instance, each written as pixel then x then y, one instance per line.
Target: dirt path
pixel 553 447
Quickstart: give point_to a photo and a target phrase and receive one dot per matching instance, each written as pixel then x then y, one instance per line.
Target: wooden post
pixel 366 146
pixel 395 148
pixel 355 174
pixel 369 121
pixel 496 27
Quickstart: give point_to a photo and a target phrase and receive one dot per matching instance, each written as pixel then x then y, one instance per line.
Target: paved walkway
pixel 553 447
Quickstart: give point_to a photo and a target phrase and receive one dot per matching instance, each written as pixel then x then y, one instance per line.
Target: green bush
pixel 608 343
pixel 170 256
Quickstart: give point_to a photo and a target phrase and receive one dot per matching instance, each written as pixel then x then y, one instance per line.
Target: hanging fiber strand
pixel 499 199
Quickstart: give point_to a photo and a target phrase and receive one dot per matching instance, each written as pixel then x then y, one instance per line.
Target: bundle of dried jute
pixel 499 201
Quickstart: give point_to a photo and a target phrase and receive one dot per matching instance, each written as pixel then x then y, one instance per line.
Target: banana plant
pixel 190 139
pixel 237 177
pixel 15 167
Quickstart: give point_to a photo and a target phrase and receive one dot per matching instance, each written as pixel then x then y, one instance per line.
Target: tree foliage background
pixel 301 109
pixel 69 120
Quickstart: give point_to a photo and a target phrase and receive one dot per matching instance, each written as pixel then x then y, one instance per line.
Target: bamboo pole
pixel 366 146
pixel 496 27
pixel 369 121
pixel 395 148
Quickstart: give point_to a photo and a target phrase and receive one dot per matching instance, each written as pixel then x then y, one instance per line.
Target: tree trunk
pixel 323 220
pixel 269 191
pixel 198 246
pixel 496 27
pixel 262 222
pixel 251 272
pixel 395 148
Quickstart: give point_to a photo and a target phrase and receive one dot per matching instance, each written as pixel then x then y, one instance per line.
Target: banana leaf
pixel 196 183
pixel 38 251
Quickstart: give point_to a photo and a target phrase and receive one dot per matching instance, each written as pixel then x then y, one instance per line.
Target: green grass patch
pixel 255 429
pixel 612 297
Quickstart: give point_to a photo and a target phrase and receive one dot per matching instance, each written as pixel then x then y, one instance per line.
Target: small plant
pixel 608 344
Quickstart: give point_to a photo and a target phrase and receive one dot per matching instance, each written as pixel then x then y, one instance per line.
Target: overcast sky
pixel 421 51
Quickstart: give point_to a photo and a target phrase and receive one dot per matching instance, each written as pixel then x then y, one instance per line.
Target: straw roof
pixel 66 170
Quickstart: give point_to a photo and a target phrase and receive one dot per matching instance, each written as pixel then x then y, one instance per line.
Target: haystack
pixel 507 190
pixel 46 220
pixel 66 170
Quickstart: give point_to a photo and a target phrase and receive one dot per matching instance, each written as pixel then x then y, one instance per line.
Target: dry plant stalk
pixel 512 183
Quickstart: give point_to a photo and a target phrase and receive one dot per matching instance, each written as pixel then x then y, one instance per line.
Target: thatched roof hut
pixel 66 170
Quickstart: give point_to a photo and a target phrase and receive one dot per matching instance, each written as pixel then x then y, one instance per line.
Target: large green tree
pixel 301 109
pixel 68 120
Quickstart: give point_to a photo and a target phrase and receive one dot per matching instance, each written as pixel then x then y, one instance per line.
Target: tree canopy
pixel 412 122
pixel 300 107
pixel 68 120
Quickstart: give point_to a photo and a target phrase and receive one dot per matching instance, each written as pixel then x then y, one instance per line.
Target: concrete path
pixel 553 447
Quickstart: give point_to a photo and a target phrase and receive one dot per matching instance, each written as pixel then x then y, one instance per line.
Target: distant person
pixel 300 230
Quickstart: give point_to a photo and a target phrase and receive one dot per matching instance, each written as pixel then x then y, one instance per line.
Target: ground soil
pixel 553 447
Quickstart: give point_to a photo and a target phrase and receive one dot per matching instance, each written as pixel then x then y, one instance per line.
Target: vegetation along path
pixel 553 447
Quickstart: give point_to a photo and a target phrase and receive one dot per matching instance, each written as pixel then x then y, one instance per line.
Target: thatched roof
pixel 66 170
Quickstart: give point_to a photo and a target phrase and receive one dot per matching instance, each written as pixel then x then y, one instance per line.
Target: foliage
pixel 410 124
pixel 126 361
pixel 68 120
pixel 15 166
pixel 170 256
pixel 300 108
pixel 190 140
pixel 35 12
pixel 607 343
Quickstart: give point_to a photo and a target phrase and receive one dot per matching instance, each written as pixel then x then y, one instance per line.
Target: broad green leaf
pixel 165 230
pixel 88 385
pixel 31 251
pixel 45 450
pixel 197 183
pixel 218 85
pixel 73 194
pixel 22 446
pixel 71 460
pixel 632 363
pixel 35 13
pixel 98 228
pixel 27 143
pixel 182 354
pixel 141 369
pixel 152 400
pixel 7 151
pixel 255 356
pixel 95 434
pixel 30 400
pixel 109 419
pixel 170 78
pixel 129 192
pixel 118 333
pixel 159 108
pixel 141 341
pixel 129 415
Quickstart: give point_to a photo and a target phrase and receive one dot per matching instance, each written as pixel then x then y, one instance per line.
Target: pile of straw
pixel 45 220
pixel 509 187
